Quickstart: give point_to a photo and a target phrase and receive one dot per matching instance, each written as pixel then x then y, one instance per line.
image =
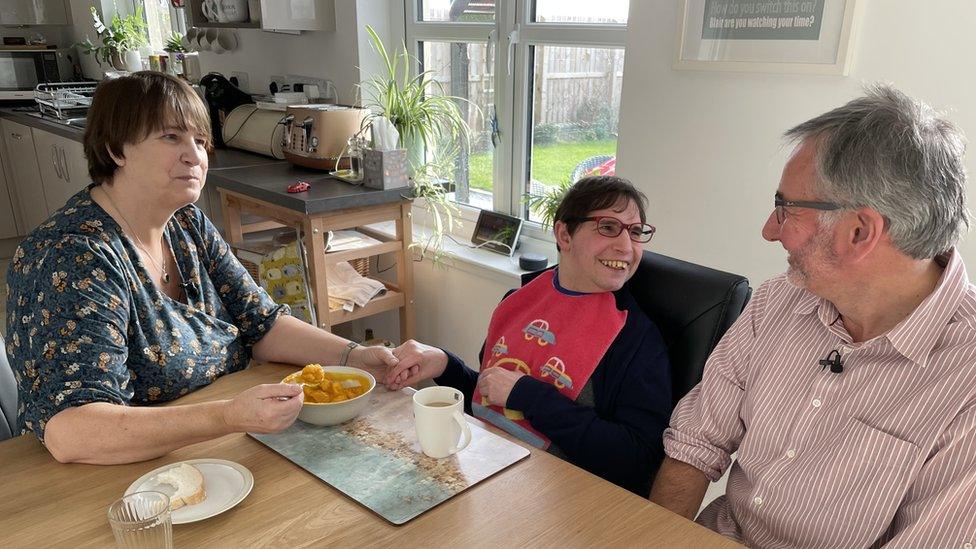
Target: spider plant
pixel 546 204
pixel 432 128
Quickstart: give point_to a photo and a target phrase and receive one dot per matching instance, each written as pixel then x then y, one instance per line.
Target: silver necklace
pixel 138 241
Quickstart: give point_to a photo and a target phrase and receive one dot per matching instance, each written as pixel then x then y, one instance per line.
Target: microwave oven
pixel 22 70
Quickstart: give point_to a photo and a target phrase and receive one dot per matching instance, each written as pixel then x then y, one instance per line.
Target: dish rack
pixel 65 100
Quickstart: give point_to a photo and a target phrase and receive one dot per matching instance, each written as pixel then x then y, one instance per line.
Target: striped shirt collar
pixel 916 335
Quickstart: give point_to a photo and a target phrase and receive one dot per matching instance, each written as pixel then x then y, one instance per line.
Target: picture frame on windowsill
pixel 778 36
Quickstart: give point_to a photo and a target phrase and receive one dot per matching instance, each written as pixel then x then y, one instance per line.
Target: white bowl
pixel 334 413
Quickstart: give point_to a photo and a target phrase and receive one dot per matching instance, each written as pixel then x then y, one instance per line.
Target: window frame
pixel 177 17
pixel 512 20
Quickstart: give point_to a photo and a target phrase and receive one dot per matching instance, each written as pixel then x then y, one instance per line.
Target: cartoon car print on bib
pixel 556 369
pixel 539 329
pixel 499 348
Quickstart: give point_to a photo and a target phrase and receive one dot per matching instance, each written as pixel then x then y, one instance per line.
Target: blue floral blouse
pixel 87 324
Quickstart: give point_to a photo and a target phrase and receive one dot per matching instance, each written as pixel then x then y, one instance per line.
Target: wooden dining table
pixel 539 501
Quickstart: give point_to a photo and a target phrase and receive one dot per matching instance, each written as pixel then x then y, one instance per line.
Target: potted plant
pixel 431 128
pixel 545 204
pixel 121 40
pixel 174 44
pixel 177 54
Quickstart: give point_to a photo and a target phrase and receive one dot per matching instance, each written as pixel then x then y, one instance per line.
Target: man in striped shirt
pixel 848 385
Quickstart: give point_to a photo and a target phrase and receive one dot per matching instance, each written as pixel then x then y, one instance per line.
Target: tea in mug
pixel 439 404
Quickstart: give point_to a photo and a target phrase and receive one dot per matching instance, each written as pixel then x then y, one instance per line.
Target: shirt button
pixel 816 403
pixel 757 500
pixel 790 454
pixel 967 546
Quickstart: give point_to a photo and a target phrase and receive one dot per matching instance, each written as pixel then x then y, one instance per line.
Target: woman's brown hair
pixel 597 192
pixel 126 110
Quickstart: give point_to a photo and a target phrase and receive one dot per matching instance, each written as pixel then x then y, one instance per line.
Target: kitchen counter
pixel 221 159
pixel 46 123
pixel 256 176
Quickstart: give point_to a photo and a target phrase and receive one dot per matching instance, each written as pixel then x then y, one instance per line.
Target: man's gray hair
pixel 891 153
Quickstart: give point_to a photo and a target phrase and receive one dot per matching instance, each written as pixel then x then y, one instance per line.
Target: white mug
pixel 190 39
pixel 233 11
pixel 226 41
pixel 225 11
pixel 209 41
pixel 439 415
pixel 211 10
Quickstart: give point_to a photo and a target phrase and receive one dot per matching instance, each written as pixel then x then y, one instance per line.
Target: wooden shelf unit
pixel 313 227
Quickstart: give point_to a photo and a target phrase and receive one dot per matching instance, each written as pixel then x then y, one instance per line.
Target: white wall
pixel 705 146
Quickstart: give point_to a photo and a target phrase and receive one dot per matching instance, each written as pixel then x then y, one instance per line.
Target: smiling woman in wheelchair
pixel 573 364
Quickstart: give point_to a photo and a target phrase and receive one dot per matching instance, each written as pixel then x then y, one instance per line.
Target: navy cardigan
pixel 620 438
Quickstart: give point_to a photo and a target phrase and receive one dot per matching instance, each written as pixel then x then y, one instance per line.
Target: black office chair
pixel 8 396
pixel 693 306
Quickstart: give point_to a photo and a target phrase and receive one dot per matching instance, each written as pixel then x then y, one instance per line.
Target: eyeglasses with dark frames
pixel 611 227
pixel 780 204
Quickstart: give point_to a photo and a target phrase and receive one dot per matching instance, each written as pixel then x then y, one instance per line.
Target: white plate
pixel 226 483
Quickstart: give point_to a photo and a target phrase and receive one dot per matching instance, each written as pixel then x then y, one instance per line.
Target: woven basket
pixel 252 268
pixel 361 265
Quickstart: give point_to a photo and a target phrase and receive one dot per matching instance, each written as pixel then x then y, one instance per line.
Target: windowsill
pixel 478 262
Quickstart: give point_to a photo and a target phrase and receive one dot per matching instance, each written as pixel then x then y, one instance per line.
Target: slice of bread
pixel 188 482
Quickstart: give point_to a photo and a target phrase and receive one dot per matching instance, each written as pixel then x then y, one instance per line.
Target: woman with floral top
pixel 128 296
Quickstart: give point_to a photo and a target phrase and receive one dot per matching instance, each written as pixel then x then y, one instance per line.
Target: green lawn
pixel 551 164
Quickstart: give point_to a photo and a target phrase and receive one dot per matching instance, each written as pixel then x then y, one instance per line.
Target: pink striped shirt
pixel 882 453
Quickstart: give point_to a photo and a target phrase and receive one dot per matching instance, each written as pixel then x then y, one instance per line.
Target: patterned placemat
pixel 376 460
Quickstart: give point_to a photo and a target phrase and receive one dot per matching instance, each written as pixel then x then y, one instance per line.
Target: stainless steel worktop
pixel 45 123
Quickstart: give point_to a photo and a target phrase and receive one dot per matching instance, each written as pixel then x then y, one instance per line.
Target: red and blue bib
pixel 557 337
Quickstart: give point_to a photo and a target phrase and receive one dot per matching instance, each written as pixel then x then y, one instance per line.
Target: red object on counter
pixel 299 187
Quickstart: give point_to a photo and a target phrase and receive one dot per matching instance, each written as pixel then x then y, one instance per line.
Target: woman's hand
pixel 268 408
pixel 416 362
pixel 375 356
pixel 497 383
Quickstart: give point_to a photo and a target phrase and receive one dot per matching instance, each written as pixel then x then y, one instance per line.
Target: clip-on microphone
pixel 833 360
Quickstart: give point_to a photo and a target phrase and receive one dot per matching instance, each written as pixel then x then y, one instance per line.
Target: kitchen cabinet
pixel 64 171
pixel 8 224
pixel 25 174
pixel 33 12
pixel 298 15
pixel 283 15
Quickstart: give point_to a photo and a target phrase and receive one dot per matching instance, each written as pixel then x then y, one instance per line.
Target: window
pixel 546 75
pixel 163 20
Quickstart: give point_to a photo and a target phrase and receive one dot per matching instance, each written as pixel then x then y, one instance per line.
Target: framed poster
pixel 794 36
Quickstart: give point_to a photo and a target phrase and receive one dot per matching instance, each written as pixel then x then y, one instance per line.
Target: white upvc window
pixel 546 75
pixel 162 19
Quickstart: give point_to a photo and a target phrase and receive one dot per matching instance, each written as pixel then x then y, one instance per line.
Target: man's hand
pixel 496 384
pixel 268 408
pixel 417 362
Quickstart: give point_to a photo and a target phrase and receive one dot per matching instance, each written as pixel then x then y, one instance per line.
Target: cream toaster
pixel 315 136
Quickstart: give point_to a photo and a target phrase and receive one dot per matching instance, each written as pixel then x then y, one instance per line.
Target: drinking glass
pixel 142 520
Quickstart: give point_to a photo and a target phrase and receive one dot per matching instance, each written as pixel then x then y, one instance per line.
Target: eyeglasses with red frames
pixel 780 204
pixel 611 227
